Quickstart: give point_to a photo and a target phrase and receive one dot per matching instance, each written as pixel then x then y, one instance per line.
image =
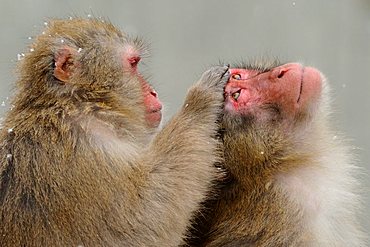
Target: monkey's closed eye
pixel 237 76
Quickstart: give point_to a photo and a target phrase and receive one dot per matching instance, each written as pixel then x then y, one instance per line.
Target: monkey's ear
pixel 64 63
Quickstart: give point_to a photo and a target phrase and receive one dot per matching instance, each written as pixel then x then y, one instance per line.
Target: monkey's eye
pixel 237 76
pixel 236 95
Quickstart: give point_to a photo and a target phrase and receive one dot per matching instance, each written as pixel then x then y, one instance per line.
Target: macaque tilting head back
pixel 288 180
pixel 282 94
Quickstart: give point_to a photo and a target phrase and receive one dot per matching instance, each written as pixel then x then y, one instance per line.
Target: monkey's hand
pixel 214 79
pixel 209 90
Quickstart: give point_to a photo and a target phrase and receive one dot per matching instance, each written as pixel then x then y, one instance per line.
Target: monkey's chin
pixel 229 106
pixel 154 118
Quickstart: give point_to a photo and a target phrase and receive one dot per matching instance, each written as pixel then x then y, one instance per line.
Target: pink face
pixel 290 87
pixel 153 106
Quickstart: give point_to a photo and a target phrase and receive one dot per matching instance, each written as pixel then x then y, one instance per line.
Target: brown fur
pixel 77 164
pixel 253 207
pixel 249 210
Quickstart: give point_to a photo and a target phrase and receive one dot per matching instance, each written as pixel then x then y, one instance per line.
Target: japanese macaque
pixel 291 181
pixel 79 163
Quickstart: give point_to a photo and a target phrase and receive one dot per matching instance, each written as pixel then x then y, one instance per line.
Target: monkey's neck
pixel 256 154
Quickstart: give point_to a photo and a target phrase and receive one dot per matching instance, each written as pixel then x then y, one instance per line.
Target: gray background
pixel 187 36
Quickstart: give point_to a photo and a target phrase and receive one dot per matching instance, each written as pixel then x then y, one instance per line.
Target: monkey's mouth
pixel 301 85
pixel 155 113
pixel 154 118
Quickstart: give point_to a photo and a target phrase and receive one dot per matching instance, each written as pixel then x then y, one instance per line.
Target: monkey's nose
pixel 134 61
pixel 282 72
pixel 154 93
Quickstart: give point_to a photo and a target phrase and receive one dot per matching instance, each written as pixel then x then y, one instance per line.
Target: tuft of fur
pixel 78 164
pixel 261 64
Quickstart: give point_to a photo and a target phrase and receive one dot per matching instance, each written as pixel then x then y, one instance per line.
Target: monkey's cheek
pixel 234 108
pixel 229 106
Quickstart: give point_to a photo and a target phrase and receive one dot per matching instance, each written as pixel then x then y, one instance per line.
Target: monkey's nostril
pixel 134 61
pixel 281 73
pixel 154 93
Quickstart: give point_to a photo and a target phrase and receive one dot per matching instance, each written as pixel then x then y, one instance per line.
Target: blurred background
pixel 186 37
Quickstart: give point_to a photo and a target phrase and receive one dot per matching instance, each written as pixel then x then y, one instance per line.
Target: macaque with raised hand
pixel 290 181
pixel 79 163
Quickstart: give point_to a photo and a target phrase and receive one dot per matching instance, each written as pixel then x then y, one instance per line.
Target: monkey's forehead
pixel 258 64
pixel 81 25
pixel 86 31
pixel 90 33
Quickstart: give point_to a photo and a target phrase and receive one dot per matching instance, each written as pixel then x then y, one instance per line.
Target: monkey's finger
pixel 215 77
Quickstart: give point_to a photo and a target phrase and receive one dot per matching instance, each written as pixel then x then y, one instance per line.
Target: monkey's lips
pixel 154 118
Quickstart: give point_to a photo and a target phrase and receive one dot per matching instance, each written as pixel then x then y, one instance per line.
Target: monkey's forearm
pixel 187 141
pixel 190 134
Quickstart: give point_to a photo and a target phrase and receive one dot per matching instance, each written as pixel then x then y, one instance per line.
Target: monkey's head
pixel 268 111
pixel 282 95
pixel 91 65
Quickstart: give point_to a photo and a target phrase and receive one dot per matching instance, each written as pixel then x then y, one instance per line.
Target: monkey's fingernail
pixel 237 76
